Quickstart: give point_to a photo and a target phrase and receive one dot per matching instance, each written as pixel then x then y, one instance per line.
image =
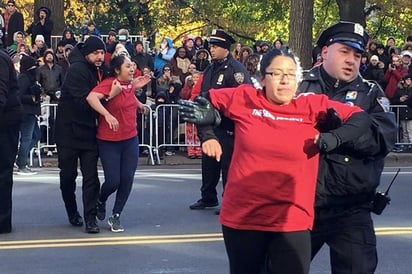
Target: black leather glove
pixel 199 112
pixel 330 121
pixel 328 142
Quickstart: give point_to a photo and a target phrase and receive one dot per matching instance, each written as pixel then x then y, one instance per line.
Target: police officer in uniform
pixel 348 176
pixel 223 72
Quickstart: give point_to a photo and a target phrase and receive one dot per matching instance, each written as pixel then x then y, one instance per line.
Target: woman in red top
pixel 117 134
pixel 267 209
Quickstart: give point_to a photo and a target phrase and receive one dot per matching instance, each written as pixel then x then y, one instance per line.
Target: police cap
pixel 348 33
pixel 221 39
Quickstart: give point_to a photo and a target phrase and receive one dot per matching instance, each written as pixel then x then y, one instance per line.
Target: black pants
pixel 283 252
pixel 68 158
pixel 351 240
pixel 9 137
pixel 211 168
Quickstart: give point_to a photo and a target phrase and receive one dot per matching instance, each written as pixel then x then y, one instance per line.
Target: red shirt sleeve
pixel 104 87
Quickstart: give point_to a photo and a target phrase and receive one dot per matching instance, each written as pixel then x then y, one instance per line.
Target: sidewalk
pixel 180 158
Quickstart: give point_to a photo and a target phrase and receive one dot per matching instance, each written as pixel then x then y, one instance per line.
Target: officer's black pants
pixel 351 240
pixel 9 137
pixel 284 252
pixel 68 158
pixel 211 168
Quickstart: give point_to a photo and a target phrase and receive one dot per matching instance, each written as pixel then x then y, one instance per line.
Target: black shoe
pixel 101 210
pixel 202 205
pixel 92 227
pixel 217 212
pixel 76 219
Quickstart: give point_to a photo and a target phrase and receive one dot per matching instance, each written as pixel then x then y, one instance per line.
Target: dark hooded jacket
pixel 76 120
pixel 72 41
pixel 29 91
pixel 201 64
pixel 10 106
pixel 50 78
pixel 37 28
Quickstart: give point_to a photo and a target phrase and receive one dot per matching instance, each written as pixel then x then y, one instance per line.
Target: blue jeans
pixel 29 135
pixel 119 160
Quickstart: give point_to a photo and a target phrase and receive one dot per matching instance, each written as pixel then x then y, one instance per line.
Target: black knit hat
pixel 27 63
pixel 92 44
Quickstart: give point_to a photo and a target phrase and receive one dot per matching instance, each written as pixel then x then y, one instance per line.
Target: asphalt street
pixel 162 234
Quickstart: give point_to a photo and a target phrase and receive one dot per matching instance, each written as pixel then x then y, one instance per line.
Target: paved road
pixel 162 235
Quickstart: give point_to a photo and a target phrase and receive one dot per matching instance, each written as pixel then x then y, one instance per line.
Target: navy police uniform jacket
pixel 224 73
pixel 348 176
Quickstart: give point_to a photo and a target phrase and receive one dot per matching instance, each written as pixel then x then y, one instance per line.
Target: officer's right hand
pixel 199 112
pixel 212 148
pixel 327 142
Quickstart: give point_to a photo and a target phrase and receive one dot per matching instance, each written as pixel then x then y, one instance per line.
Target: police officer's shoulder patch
pixel 239 77
pixel 384 103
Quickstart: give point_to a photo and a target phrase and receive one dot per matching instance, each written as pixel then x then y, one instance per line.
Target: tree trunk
pixel 352 10
pixel 57 16
pixel 300 30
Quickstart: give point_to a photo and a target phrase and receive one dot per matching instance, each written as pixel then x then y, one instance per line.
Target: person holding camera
pixel 396 70
pixel 29 93
pixel 348 176
pixel 43 26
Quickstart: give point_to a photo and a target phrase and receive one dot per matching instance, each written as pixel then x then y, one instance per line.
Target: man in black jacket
pixel 76 131
pixel 29 94
pixel 14 21
pixel 223 72
pixel 348 176
pixel 10 113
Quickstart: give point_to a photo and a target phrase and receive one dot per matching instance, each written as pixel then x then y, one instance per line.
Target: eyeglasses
pixel 166 69
pixel 278 74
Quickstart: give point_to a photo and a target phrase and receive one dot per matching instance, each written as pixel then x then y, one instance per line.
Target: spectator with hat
pixel 13 21
pixel 348 176
pixel 76 131
pixel 29 94
pixel 11 113
pixel 43 26
pixel 374 71
pixel 39 47
pixel 141 58
pixel 223 72
pixel 162 55
pixel 18 40
pixel 68 37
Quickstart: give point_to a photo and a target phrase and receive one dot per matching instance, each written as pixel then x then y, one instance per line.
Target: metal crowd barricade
pixel 46 120
pixel 145 128
pixel 399 137
pixel 170 130
pixel 48 112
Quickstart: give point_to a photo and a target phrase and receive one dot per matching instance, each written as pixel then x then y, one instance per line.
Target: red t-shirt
pixel 272 175
pixel 123 107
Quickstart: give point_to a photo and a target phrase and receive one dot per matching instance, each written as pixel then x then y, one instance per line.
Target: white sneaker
pixel 25 171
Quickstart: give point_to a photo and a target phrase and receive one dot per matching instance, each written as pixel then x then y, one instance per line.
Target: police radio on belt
pixel 382 198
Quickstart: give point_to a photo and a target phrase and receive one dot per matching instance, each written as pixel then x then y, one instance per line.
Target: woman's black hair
pixel 270 55
pixel 116 64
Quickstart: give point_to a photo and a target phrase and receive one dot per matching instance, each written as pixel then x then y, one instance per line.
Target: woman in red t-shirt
pixel 268 204
pixel 117 134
